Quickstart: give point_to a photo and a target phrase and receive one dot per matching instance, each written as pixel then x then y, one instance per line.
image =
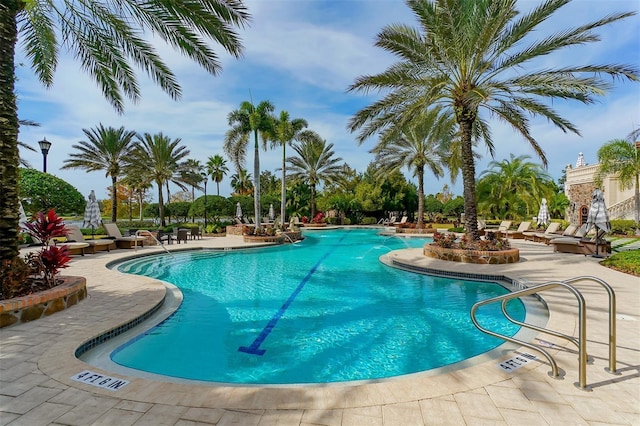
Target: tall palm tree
pixel 191 174
pixel 138 181
pixel 246 120
pixel 474 56
pixel 314 164
pixel 424 142
pixel 106 148
pixel 217 169
pixel 512 188
pixel 161 156
pixel 285 131
pixel 241 182
pixel 622 158
pixel 107 37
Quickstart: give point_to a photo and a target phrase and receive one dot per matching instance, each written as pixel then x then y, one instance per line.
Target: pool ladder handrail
pixel 145 233
pixel 580 342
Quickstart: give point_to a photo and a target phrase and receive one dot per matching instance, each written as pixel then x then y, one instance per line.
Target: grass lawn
pixel 627 261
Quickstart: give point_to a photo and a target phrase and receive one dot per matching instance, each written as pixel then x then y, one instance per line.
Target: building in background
pixel 579 187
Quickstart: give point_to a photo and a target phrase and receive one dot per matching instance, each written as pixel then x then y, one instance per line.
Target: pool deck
pixel 37 362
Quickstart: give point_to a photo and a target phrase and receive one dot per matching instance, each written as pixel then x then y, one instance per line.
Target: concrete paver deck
pixel 37 361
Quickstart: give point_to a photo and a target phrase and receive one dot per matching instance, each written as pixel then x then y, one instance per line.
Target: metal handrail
pixel 580 342
pixel 146 233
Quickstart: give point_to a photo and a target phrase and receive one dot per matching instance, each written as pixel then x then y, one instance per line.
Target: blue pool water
pixel 323 310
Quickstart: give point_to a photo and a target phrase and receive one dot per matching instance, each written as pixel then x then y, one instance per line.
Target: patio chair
pixel 580 243
pixel 196 234
pixel 503 228
pixel 571 231
pixel 390 222
pixel 481 226
pixel 122 242
pixel 75 235
pixel 518 234
pixel 403 220
pixel 181 235
pixel 545 236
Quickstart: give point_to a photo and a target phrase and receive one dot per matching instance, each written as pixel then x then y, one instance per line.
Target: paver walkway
pixel 37 362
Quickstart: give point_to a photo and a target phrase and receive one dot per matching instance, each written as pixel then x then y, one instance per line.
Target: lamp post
pixel 45 146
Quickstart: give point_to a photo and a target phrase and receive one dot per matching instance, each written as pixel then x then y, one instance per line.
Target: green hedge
pixel 369 220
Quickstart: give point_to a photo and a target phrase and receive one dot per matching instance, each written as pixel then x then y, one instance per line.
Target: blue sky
pixel 302 55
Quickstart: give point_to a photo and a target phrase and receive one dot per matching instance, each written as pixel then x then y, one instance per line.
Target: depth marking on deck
pixel 516 362
pixel 100 380
pixel 254 349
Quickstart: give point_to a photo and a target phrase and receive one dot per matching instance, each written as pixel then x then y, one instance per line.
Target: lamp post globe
pixel 45 146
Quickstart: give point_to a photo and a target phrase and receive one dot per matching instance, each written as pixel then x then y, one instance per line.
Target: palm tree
pixel 161 156
pixel 513 188
pixel 315 163
pixel 468 55
pixel 217 169
pixel 421 143
pixel 246 120
pixel 191 174
pixel 107 37
pixel 106 148
pixel 241 182
pixel 621 158
pixel 285 131
pixel 138 181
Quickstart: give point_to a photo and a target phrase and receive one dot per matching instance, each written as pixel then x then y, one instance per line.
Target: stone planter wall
pixel 293 235
pixel 264 239
pixel 313 225
pixel 415 231
pixel 42 304
pixel 234 229
pixel 472 256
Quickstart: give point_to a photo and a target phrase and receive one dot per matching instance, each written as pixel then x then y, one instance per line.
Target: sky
pixel 302 55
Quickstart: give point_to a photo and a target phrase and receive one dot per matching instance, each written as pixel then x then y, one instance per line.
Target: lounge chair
pixel 542 236
pixel 75 235
pixel 390 221
pixel 580 245
pixel 503 228
pixel 481 226
pixel 518 234
pixel 403 220
pixel 571 231
pixel 122 242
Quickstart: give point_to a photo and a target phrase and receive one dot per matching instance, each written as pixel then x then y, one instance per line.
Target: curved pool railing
pixel 580 341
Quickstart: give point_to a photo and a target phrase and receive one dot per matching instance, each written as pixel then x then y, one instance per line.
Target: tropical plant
pixel 217 169
pixel 246 120
pixel 161 157
pixel 513 188
pixel 314 164
pixel 416 145
pixel 475 56
pixel 138 182
pixel 241 183
pixel 106 148
pixel 621 158
pixel 191 174
pixel 285 131
pixel 42 191
pixel 105 36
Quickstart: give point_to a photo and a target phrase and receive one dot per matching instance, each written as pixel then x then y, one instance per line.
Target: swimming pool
pixel 323 310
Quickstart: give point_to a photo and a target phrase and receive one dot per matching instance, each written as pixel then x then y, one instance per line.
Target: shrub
pixel 14 278
pixel 491 242
pixel 369 220
pixel 347 221
pixel 623 227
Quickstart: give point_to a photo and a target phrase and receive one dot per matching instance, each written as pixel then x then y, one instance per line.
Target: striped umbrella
pixel 238 210
pixel 92 217
pixel 543 214
pixel 598 217
pixel 23 217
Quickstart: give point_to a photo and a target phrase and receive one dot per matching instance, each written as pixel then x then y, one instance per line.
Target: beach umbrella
pixel 238 210
pixel 543 214
pixel 598 216
pixel 23 217
pixel 271 213
pixel 92 217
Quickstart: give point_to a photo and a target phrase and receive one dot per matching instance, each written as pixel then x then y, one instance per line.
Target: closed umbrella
pixel 271 213
pixel 543 214
pixel 238 210
pixel 23 218
pixel 92 217
pixel 598 216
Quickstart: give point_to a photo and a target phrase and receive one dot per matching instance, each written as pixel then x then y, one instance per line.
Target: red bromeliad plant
pixel 318 218
pixel 47 262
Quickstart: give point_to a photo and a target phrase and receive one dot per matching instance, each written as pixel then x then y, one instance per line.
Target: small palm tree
pixel 314 164
pixel 191 174
pixel 246 120
pixel 285 131
pixel 422 143
pixel 106 149
pixel 217 169
pixel 161 156
pixel 513 188
pixel 622 158
pixel 472 57
pixel 241 182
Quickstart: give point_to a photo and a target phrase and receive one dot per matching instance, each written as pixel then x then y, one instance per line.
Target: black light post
pixel 45 146
pixel 205 204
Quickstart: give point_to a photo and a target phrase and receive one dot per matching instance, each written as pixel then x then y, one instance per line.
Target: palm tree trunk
pixel 9 209
pixel 637 195
pixel 313 199
pixel 161 205
pixel 140 199
pixel 218 187
pixel 256 181
pixel 468 178
pixel 114 199
pixel 420 171
pixel 283 190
